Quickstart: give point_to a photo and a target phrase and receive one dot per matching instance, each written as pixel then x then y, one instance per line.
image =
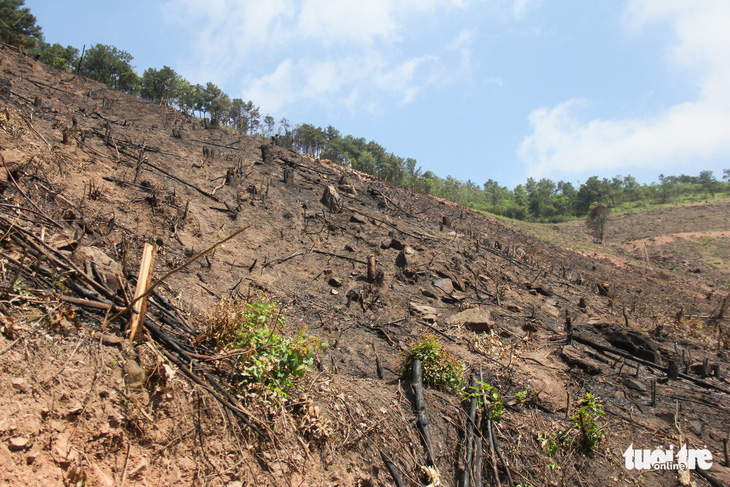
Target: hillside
pixel 92 174
pixel 691 240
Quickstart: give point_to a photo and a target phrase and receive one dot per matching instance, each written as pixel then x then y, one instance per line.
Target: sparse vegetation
pixel 584 433
pixel 253 330
pixel 440 368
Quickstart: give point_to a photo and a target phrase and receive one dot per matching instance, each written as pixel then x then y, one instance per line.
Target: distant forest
pixel 537 200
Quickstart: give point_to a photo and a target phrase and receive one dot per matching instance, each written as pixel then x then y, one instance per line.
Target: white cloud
pixel 337 22
pixel 520 8
pixel 344 80
pixel 698 128
pixel 281 52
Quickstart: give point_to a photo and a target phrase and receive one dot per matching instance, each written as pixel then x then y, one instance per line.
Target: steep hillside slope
pixel 89 168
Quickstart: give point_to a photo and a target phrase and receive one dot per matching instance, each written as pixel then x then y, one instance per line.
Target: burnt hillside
pixel 92 174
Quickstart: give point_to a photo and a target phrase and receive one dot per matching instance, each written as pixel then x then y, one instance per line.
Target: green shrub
pixel 440 368
pixel 591 434
pixel 253 331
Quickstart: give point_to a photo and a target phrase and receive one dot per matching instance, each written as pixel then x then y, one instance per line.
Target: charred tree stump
pixel 568 327
pixel 267 154
pixel 673 370
pixel 288 175
pixel 446 221
pixel 421 419
pixel 653 393
pixel 371 268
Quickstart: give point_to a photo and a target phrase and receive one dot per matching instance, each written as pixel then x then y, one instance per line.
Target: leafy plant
pixel 553 442
pixel 253 332
pixel 591 433
pixel 440 368
pixel 584 430
pixel 495 402
pixel 522 397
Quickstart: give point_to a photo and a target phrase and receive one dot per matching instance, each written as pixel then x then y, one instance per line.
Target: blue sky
pixel 476 89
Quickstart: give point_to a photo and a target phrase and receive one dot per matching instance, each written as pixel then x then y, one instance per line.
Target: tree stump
pixel 267 154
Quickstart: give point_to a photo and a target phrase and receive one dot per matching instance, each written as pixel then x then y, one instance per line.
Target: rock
pixel 101 476
pixel 633 384
pixel 357 219
pixel 19 443
pixel 6 458
pixel 139 468
pixel 427 313
pixel 408 250
pixel 401 260
pixel 347 188
pixel 11 156
pixel 477 320
pixel 136 376
pixel 86 257
pixel 334 292
pixel 538 289
pixel 331 199
pixel 63 453
pixel 334 282
pixel 443 271
pixel 444 284
pixel 513 308
pixel 20 384
pixel 428 294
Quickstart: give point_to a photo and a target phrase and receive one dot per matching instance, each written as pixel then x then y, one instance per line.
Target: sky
pixel 474 89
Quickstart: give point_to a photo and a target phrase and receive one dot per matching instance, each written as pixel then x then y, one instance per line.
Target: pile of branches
pixel 34 270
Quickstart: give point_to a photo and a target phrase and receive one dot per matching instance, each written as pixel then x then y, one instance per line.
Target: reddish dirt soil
pixel 79 409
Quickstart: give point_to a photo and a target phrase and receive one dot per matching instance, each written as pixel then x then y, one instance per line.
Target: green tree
pixel 216 103
pixel 592 191
pixel 17 25
pixel 63 58
pixel 539 197
pixel 110 66
pixel 161 85
pixel 708 182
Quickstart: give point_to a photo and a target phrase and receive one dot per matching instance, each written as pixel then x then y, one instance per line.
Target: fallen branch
pixel 420 406
pixel 344 257
pixel 282 260
pixel 392 468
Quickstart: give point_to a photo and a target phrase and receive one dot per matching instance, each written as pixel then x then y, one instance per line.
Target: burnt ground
pixel 132 172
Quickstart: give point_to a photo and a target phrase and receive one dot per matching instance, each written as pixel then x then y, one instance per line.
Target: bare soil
pixel 82 408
